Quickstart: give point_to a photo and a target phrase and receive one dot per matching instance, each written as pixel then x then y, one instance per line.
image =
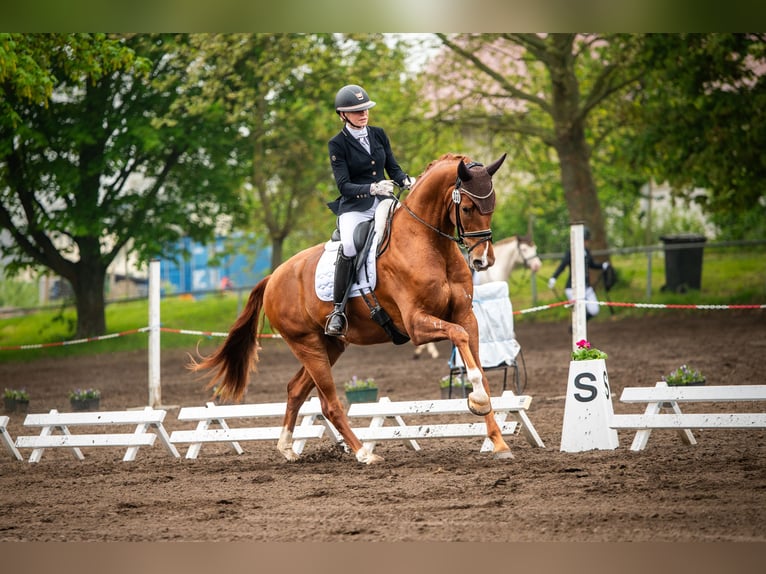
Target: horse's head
pixel 473 198
pixel 528 252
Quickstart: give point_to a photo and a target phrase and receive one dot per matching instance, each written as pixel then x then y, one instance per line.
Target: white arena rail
pixel 218 414
pixel 663 396
pixel 148 427
pixel 504 405
pixel 5 438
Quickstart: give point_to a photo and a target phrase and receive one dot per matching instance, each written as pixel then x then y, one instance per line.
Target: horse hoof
pixel 503 455
pixel 477 408
pixel 289 454
pixel 366 457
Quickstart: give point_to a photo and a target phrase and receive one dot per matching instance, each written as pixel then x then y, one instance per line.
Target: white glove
pixel 408 182
pixel 385 187
pixel 551 282
pixel 605 265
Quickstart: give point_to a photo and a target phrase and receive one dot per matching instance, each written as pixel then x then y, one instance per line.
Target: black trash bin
pixel 683 262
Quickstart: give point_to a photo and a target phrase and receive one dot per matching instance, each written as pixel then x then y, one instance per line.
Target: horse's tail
pixel 238 355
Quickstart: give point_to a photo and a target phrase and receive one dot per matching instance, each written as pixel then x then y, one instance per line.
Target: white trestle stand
pixel 588 409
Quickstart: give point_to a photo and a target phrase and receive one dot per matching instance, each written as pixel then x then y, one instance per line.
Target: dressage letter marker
pixel 588 410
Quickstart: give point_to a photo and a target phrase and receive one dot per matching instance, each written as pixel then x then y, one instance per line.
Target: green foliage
pixel 459 381
pixel 123 152
pixel 84 394
pixel 586 352
pixel 684 375
pixel 16 394
pixel 358 384
pixel 15 293
pixel 697 120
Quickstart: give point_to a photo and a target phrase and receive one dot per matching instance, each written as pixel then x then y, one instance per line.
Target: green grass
pixel 211 313
pixel 729 276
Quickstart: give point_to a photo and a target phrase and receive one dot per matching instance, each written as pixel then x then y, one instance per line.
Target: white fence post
pixel 155 393
pixel 577 264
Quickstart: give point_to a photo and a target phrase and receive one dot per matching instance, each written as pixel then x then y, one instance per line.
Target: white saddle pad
pixel 325 273
pixel 324 278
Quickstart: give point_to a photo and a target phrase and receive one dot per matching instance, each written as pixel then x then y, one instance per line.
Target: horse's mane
pixel 445 157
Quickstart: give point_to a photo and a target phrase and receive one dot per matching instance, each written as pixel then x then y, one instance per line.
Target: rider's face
pixel 358 118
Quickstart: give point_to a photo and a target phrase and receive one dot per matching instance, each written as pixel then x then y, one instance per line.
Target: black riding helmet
pixel 352 98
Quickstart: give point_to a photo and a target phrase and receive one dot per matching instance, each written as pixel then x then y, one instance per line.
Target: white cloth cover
pixel 324 278
pixel 494 313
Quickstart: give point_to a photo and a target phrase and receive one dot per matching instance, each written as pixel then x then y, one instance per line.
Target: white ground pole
pixel 577 264
pixel 155 393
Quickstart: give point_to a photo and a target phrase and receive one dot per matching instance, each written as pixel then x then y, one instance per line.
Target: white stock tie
pixel 365 143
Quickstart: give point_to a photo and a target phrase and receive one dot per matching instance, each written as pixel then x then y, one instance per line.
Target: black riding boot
pixel 344 271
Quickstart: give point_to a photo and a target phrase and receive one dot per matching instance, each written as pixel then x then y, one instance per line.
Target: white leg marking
pixel 366 457
pixel 285 444
pixel 474 377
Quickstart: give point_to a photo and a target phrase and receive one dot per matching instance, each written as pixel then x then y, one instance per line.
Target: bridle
pixel 483 236
pixel 526 260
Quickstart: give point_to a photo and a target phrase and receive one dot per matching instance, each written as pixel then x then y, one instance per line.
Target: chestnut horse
pixel 423 283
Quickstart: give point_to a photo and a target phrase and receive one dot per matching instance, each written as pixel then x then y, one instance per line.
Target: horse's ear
pixel 462 172
pixel 492 168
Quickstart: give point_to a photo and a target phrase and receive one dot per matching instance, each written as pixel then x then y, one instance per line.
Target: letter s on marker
pixel 584 386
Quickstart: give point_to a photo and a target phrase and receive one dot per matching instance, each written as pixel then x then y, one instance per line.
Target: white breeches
pixel 348 221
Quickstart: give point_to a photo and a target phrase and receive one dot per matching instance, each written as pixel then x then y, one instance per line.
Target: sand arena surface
pixel 715 491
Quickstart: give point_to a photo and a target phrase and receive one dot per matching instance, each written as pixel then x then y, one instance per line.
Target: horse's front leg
pixel 479 402
pixel 298 390
pixel 428 328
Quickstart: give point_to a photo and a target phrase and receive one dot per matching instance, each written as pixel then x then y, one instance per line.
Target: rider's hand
pixel 408 182
pixel 605 265
pixel 551 282
pixel 385 187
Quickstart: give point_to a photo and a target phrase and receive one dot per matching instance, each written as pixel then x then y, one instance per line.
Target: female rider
pixel 359 154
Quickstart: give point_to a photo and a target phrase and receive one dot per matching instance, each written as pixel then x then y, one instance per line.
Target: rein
pixel 484 235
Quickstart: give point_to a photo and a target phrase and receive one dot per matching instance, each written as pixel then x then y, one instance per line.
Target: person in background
pixel 359 156
pixel 591 301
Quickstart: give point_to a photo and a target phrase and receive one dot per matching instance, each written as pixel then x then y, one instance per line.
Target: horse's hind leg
pixel 318 354
pixel 298 390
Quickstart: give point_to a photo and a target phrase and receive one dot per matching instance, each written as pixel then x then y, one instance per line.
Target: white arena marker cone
pixel 588 409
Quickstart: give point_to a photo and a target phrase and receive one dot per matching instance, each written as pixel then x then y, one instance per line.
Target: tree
pixel 279 89
pixel 547 87
pixel 103 146
pixel 699 121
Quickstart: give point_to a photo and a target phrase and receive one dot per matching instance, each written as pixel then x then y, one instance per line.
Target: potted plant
pixel 586 352
pixel 85 399
pixel 460 387
pixel 360 390
pixel 684 375
pixel 16 400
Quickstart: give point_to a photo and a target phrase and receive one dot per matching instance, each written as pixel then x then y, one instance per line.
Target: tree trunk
pixel 579 188
pixel 88 286
pixel 276 252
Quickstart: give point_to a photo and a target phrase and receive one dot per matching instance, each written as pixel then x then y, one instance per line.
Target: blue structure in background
pixel 206 267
